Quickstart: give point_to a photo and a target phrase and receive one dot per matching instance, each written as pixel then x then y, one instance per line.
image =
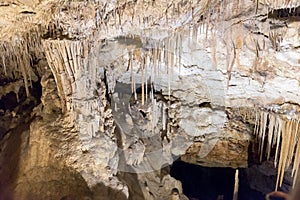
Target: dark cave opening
pixel 16 108
pixel 204 183
pixel 212 183
pixel 11 100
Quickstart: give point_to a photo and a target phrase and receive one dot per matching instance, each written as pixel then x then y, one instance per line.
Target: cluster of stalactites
pixel 279 132
pixel 17 56
pixel 278 4
pixel 149 66
pixel 164 55
pixel 66 60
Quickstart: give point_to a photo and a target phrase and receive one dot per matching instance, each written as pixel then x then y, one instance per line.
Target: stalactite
pixel 4 65
pixel 262 131
pixel 207 23
pixel 131 70
pixel 171 63
pixel 143 78
pixel 282 131
pixel 292 141
pixel 159 60
pixel 270 134
pixel 73 54
pixel 180 51
pixel 283 153
pixel 166 53
pixel 134 87
pixel 24 73
pixel 214 48
pixel 52 64
pixel 163 117
pixel 154 65
pixel 154 115
pixel 256 125
pixel 227 63
pixel 296 158
pixel 279 130
pixel 70 58
pixel 146 74
pixel 195 33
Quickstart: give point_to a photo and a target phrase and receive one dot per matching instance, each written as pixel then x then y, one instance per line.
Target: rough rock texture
pixel 108 93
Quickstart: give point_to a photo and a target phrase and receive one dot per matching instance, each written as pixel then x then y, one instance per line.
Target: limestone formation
pixel 98 97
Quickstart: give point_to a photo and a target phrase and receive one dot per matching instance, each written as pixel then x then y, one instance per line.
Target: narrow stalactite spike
pixel 270 134
pixel 292 141
pixel 275 131
pixel 180 51
pixel 256 124
pixel 24 74
pixel 296 156
pixel 146 75
pixel 285 146
pixel 131 70
pixel 263 128
pixel 143 78
pixel 280 157
pixel 279 130
pixel 134 87
pixel 297 160
pixel 4 65
pixel 155 59
pixel 163 117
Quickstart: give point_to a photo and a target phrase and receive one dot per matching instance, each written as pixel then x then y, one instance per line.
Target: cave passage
pixel 204 183
pixel 212 183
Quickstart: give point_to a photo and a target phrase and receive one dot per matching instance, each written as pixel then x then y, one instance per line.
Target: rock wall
pixel 130 86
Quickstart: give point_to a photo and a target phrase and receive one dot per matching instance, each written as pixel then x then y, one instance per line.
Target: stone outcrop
pixel 109 93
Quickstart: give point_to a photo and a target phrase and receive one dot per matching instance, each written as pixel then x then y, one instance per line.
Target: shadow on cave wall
pixel 9 160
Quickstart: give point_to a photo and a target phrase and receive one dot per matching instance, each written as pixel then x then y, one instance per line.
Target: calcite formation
pixel 111 92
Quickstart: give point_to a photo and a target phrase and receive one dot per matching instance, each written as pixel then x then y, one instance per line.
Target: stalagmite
pixel 236 185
